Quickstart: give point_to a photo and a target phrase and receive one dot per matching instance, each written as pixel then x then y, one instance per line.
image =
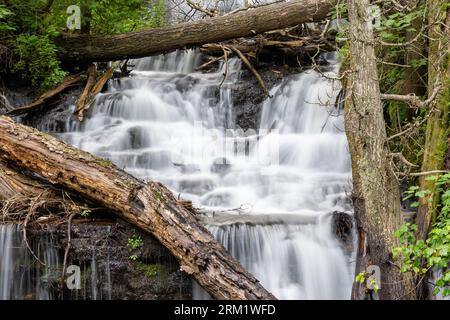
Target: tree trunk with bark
pixel 376 195
pixel 81 47
pixel 437 124
pixel 149 206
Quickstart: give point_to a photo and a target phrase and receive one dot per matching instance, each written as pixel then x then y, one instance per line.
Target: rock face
pixel 117 261
pixel 248 95
pixel 54 120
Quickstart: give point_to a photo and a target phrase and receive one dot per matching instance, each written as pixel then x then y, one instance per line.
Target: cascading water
pixel 21 276
pixel 267 196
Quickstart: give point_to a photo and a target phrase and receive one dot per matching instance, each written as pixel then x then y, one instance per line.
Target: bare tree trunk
pixel 149 206
pixel 437 124
pixel 375 189
pixel 80 47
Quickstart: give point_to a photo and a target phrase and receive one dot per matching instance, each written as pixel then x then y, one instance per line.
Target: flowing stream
pixel 267 195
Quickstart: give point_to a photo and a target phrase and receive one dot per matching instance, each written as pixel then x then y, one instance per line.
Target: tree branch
pixel 412 99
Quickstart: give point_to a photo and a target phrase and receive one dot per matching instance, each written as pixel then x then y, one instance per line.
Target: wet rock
pixel 342 226
pixel 248 96
pixel 111 269
pixel 221 166
pixel 56 115
pixel 186 83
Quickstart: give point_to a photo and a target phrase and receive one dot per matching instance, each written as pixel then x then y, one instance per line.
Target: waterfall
pixel 267 194
pixel 21 276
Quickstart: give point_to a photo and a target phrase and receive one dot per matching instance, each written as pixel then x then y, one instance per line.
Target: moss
pixel 157 194
pixel 153 271
pixel 104 163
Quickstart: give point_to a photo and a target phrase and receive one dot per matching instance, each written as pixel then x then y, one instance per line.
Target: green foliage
pixel 110 17
pixel 360 277
pixel 123 16
pixel 5 14
pixel 133 257
pixel 30 28
pixel 134 243
pixel 152 270
pixel 85 213
pixel 393 26
pixel 339 11
pixel 38 61
pixel 420 256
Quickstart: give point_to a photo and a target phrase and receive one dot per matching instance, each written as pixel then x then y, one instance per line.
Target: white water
pixel 22 277
pixel 267 197
pixel 168 123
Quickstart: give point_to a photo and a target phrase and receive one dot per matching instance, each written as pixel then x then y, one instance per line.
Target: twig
pixel 252 7
pixel 24 229
pixel 211 61
pixel 197 7
pixel 252 69
pixel 403 159
pixel 225 56
pixel 426 173
pixel 69 244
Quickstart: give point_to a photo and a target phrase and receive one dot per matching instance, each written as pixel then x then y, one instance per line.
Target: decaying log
pixel 83 47
pixel 149 206
pixel 49 95
pixel 13 182
pixel 22 195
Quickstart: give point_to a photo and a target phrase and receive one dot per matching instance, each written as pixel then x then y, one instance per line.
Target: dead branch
pixel 252 69
pixel 412 99
pixel 49 95
pixel 95 89
pixel 81 104
pixel 195 6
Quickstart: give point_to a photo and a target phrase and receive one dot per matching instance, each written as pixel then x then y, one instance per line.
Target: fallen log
pixel 84 47
pixel 49 95
pixel 149 206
